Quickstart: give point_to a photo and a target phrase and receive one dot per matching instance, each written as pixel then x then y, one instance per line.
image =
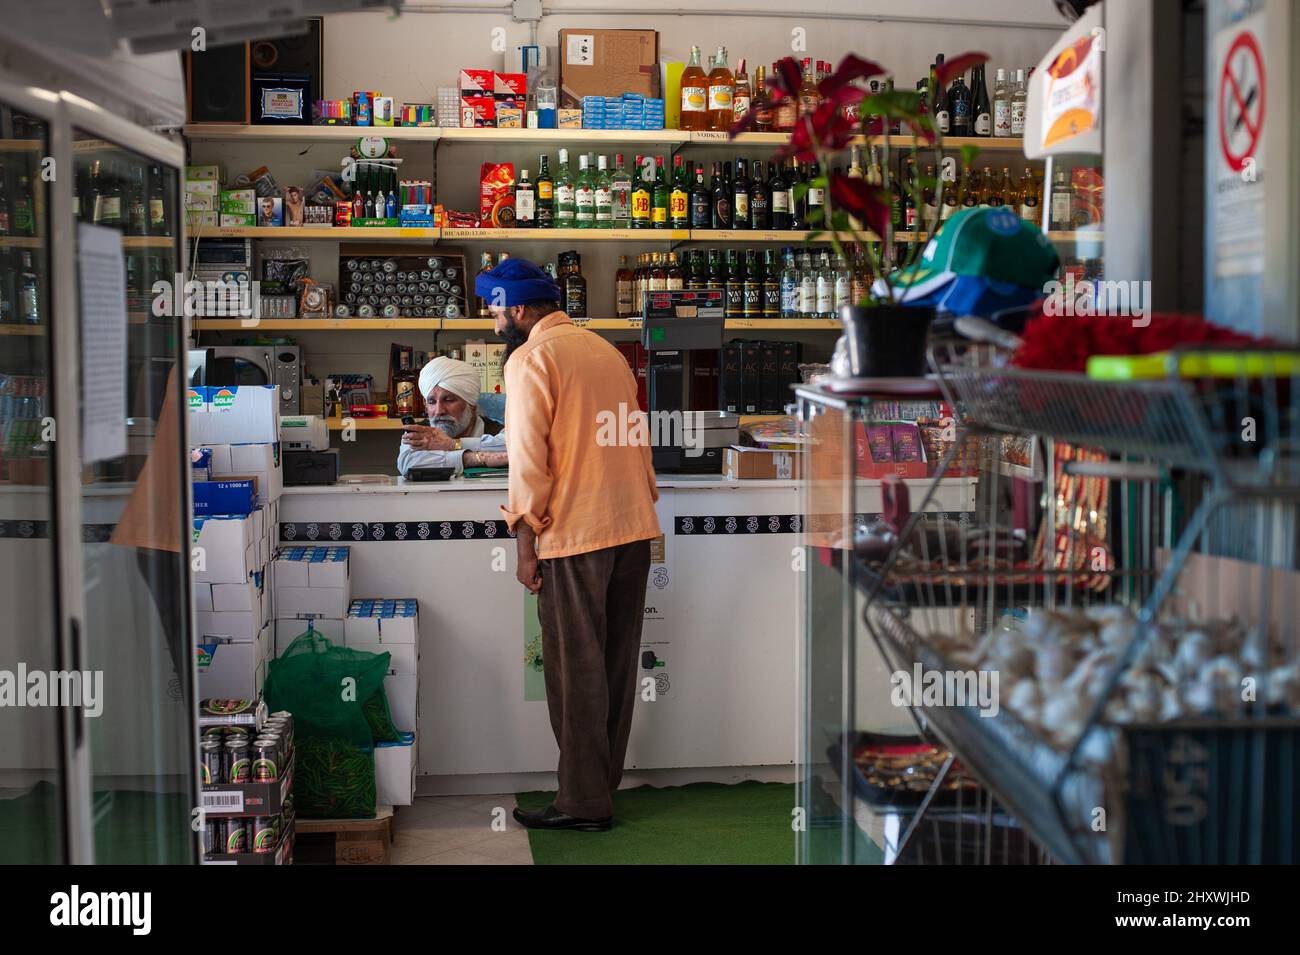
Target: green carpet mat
pixel 699 824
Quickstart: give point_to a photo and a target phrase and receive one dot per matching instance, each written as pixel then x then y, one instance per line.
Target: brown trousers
pixel 590 608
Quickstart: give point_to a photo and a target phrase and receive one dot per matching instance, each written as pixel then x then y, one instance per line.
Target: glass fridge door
pixel 1073 216
pixel 31 763
pixel 136 567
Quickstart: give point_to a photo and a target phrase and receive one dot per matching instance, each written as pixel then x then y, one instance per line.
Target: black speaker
pixel 216 82
pixel 293 54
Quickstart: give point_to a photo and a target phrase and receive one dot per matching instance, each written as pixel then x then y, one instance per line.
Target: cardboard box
pixel 246 597
pixel 262 461
pixel 312 566
pixel 570 119
pixel 509 117
pixel 403 691
pixel 239 200
pixel 510 85
pixel 270 211
pixel 237 220
pixel 201 219
pixel 607 63
pixel 235 414
pixel 497 195
pixel 395 765
pixel 205 171
pixel 748 464
pixel 241 626
pixel 233 670
pixel 478 111
pixel 478 81
pixel 403 660
pixel 203 596
pixel 288 628
pixel 488 358
pixel 227 549
pixel 206 188
pixel 329 602
pixel 383 621
pixel 232 495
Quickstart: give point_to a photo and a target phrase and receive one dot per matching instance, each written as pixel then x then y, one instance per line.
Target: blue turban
pixel 516 282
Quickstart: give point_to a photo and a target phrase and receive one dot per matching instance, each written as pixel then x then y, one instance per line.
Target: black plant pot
pixel 886 341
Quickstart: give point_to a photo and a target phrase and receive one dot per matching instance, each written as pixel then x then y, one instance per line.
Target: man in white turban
pixel 454 436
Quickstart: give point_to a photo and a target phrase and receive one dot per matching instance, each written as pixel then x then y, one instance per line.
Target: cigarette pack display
pixel 237 220
pixel 383 621
pixel 225 544
pixel 395 765
pixel 497 195
pixel 233 495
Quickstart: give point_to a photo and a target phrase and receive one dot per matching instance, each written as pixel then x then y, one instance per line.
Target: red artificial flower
pixel 861 200
pixel 957 66
pixel 785 80
pixel 851 68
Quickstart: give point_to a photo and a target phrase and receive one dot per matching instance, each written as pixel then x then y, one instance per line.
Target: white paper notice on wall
pixel 580 49
pixel 102 271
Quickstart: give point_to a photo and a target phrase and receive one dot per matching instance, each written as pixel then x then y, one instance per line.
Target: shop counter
pixel 718 660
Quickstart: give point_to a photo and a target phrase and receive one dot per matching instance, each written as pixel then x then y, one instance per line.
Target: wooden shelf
pixel 22 145
pixel 460 324
pixel 9 328
pixel 784 324
pixel 644 236
pixel 568 235
pixel 561 137
pixel 21 242
pixel 1079 237
pixel 148 241
pixel 367 424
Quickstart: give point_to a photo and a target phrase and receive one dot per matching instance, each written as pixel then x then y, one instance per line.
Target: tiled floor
pixel 459 830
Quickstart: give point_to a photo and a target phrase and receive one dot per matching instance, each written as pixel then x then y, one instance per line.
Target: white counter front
pixel 718 645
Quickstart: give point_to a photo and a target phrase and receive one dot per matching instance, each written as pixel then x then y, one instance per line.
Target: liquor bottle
pixel 778 203
pixel 735 286
pixel 29 293
pixel 525 202
pixel 993 194
pixel 575 288
pixel 660 196
pixel 759 217
pixel 981 112
pixel 771 285
pixel 158 224
pixel 815 200
pixel 484 265
pixel 679 199
pixel 970 197
pixel 1030 203
pixel 893 123
pixel 895 203
pixel 742 101
pixel 1001 104
pixel 1019 97
pixel 825 288
pixel 860 282
pixel 1062 203
pixel 604 195
pixel 960 106
pixel 545 191
pixel 658 273
pixel 843 285
pixel 699 201
pixel 565 194
pixel 641 198
pixel 807 287
pixel 676 277
pixel 761 104
pixel 752 291
pixel 108 197
pixel 740 197
pixel 584 196
pixel 1010 193
pixel 984 187
pixel 909 197
pixel 722 94
pixel 391 206
pixel 720 194
pixel 951 193
pixel 5 225
pixel 789 285
pixel 638 283
pixel 716 275
pixel 369 208
pixel 358 203
pixel 929 198
pixel 809 96
pixel 855 172
pixel 798 220
pixel 620 188
pixel 942 109
pixel 23 221
pixel 695 95
pixel 786 112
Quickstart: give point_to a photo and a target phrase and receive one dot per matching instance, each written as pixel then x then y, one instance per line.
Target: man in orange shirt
pixel 582 509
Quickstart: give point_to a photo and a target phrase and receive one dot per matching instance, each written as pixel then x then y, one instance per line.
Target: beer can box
pixel 383 621
pixel 235 414
pixel 250 798
pixel 225 544
pixel 283 854
pixel 395 765
pixel 288 628
pixel 312 566
pixel 232 495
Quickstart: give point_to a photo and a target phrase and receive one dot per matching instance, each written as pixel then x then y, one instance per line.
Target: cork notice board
pixel 607 63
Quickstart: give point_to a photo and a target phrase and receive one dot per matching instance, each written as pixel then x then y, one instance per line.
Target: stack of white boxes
pixel 392 626
pixel 234 435
pixel 312 586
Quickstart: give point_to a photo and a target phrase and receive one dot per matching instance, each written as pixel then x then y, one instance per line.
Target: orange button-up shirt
pixel 577 490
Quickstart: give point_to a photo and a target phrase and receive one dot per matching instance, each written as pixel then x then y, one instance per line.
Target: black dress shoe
pixel 552 818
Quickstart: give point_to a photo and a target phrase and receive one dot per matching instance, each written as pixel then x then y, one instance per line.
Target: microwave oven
pixel 279 365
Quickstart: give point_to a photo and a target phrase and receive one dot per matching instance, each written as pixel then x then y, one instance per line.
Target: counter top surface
pixel 400 485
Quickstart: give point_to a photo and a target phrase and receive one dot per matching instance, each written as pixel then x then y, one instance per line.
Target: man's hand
pixel 492 459
pixel 528 572
pixel 423 438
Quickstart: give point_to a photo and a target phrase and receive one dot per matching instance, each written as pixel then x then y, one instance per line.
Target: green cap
pixel 990 242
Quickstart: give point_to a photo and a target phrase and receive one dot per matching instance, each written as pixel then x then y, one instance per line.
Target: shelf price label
pixel 634 323
pixel 709 137
pixel 580 322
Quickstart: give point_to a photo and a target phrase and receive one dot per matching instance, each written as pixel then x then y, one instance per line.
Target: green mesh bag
pixel 326 688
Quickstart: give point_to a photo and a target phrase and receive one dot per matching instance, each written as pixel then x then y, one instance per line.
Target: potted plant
pixel 883 337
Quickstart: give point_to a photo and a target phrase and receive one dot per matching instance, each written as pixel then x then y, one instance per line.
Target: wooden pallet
pixel 356 841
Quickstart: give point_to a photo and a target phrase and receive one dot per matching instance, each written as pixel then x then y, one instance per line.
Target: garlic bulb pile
pixel 1054 665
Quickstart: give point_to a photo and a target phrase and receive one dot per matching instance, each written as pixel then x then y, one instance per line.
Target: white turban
pixel 459 377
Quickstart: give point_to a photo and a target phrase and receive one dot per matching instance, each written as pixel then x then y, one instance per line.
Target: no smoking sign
pixel 1241 101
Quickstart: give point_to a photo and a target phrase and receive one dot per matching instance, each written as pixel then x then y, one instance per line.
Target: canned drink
pixel 265 833
pixel 210 759
pixel 213 836
pixel 266 761
pixel 213 731
pixel 238 766
pixel 434 262
pixel 286 739
pixel 235 835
